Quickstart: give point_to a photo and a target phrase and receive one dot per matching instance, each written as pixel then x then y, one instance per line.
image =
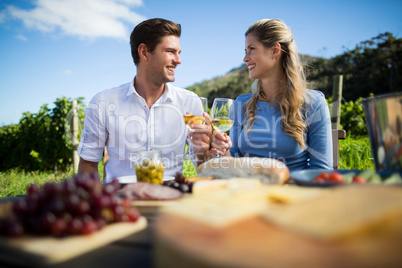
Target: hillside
pixel 230 85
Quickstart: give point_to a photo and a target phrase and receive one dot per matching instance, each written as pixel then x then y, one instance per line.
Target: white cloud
pixel 21 37
pixel 67 72
pixel 83 18
pixel 2 16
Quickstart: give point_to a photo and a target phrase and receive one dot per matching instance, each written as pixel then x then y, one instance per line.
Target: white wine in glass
pixel 190 119
pixel 193 119
pixel 222 125
pixel 222 114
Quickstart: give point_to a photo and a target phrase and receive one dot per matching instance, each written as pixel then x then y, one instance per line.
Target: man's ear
pixel 143 52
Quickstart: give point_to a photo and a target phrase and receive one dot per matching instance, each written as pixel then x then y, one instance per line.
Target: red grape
pixel 79 205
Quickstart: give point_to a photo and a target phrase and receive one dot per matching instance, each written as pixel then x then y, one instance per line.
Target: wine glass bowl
pixel 204 102
pixel 222 125
pixel 190 119
pixel 222 114
pixel 197 118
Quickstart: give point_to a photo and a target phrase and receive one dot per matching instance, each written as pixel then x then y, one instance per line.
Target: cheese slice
pixel 231 200
pixel 232 183
pixel 212 213
pixel 208 185
pixel 241 183
pixel 292 193
pixel 344 212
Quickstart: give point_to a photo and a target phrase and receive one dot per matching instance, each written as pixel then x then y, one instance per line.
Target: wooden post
pixel 336 100
pixel 76 159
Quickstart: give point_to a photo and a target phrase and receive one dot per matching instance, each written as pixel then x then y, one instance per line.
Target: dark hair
pixel 150 32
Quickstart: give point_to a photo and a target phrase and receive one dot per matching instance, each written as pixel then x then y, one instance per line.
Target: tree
pixel 373 66
pixel 8 143
pixel 40 141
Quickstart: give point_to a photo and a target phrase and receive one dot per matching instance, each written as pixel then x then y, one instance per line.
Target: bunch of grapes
pixel 78 205
pixel 180 183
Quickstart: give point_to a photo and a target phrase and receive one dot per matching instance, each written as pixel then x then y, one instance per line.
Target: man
pixel 145 114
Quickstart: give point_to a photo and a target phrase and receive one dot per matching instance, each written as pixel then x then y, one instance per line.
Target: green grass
pixel 353 154
pixel 15 182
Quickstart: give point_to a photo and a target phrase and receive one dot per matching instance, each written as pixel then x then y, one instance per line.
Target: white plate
pixel 133 178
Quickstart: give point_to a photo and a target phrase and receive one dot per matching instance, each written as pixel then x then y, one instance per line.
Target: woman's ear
pixel 143 52
pixel 276 49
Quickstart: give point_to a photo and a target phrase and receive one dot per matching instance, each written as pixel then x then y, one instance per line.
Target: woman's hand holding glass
pixel 222 114
pixel 220 143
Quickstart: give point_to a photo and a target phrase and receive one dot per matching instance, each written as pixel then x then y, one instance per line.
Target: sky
pixel 51 49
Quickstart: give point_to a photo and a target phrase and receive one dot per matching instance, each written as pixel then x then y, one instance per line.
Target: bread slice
pixel 269 170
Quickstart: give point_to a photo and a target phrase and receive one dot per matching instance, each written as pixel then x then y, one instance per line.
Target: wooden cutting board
pixel 257 243
pixel 50 250
pixel 150 207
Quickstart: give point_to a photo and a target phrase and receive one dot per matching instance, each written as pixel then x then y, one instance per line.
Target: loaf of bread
pixel 269 170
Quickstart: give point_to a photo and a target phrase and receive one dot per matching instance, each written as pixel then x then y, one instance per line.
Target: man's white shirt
pixel 120 119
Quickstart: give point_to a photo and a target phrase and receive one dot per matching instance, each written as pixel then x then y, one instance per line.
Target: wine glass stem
pixel 190 153
pixel 190 148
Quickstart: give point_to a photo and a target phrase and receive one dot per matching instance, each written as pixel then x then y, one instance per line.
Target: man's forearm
pixel 88 167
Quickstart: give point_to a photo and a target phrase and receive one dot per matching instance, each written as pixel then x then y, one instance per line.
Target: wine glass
pixel 222 114
pixel 196 118
pixel 204 102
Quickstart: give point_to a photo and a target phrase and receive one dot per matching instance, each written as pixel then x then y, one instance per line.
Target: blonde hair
pixel 292 95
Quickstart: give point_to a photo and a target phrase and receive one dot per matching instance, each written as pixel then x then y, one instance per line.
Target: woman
pixel 281 119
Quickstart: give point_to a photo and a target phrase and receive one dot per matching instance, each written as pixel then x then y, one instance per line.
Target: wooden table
pixel 133 251
pixel 347 226
pixel 169 241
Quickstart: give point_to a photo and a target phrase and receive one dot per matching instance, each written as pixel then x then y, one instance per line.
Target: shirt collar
pixel 167 95
pixel 131 89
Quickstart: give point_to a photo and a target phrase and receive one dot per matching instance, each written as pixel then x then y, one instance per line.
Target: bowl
pixel 383 115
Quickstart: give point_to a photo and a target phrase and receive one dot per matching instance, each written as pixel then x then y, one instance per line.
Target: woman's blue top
pixel 266 138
